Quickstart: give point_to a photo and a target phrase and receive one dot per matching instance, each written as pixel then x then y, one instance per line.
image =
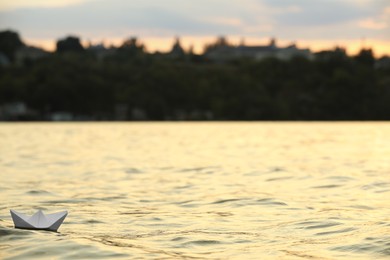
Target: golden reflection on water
pixel 207 190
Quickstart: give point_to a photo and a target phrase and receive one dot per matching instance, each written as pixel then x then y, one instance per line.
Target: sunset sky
pixel 317 24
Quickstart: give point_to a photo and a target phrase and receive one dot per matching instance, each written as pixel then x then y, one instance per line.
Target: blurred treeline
pixel 131 84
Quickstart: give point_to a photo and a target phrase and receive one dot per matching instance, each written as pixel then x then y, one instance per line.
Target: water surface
pixel 198 190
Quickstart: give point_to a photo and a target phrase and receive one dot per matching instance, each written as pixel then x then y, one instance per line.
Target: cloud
pixel 373 24
pixel 318 13
pixel 118 16
pixel 15 4
pixel 298 19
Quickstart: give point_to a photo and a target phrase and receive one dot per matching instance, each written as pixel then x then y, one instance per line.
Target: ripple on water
pixel 67 201
pixel 378 187
pixel 4 232
pixel 318 225
pixel 363 207
pixel 133 171
pixel 177 239
pixel 84 200
pixel 340 178
pixel 373 245
pixel 206 169
pixel 195 243
pixel 270 202
pixel 92 221
pixel 243 202
pixel 338 231
pixel 28 244
pixel 277 169
pixel 221 214
pixel 39 193
pixel 330 186
pixel 279 178
pixel 247 203
pixel 189 204
pixel 225 201
pixel 136 212
pixel 109 198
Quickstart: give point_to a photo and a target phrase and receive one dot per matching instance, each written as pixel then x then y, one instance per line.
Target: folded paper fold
pixel 39 220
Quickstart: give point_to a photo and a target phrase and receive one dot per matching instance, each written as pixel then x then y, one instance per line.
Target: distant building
pixel 325 55
pixel 292 51
pixel 29 53
pixel 383 63
pixel 4 61
pixel 177 50
pixel 121 112
pixel 138 114
pixel 61 116
pixel 222 51
pixel 14 111
pixel 259 52
pixel 100 51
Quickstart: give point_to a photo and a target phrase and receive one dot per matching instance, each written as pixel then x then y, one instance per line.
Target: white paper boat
pixel 39 220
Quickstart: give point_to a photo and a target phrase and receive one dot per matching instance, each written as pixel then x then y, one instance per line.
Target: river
pixel 222 190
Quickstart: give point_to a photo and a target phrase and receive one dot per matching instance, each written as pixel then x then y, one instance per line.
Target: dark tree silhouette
pixel 10 42
pixel 69 44
pixel 332 86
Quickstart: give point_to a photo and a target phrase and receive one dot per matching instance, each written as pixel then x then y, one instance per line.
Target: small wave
pixel 183 202
pixel 4 232
pixel 323 225
pixel 331 186
pixel 188 204
pixel 176 239
pixel 183 187
pixel 225 201
pixel 221 214
pixel 309 225
pixel 300 254
pixel 39 192
pixel 279 179
pixel 376 185
pixel 371 245
pixel 277 169
pixel 382 191
pixel 136 213
pixel 201 243
pixel 111 198
pixel 92 221
pixel 335 231
pixel 206 169
pixel 241 202
pixel 364 207
pixel 271 201
pixel 340 178
pixel 133 171
pixel 71 201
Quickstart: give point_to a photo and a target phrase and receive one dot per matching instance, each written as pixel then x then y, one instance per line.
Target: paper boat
pixel 39 220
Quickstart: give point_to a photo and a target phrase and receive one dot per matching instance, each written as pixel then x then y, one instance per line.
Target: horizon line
pixel 154 44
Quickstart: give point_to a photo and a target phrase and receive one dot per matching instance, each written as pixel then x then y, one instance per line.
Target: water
pixel 198 190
